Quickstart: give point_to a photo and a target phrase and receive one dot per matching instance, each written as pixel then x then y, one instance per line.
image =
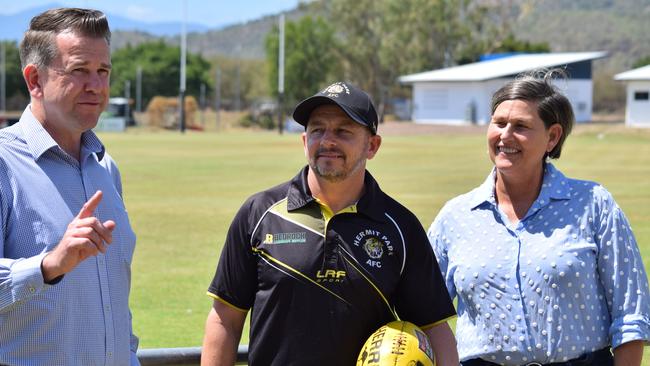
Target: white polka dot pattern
pixel 565 280
pixel 84 319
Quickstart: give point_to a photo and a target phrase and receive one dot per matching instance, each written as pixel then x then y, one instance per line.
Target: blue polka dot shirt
pixel 565 280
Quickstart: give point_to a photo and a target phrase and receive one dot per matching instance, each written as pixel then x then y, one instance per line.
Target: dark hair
pixel 552 106
pixel 38 47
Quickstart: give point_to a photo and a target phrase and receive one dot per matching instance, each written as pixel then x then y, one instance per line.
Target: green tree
pixel 309 60
pixel 16 90
pixel 360 29
pixel 383 39
pixel 160 70
pixel 245 76
pixel 509 44
pixel 641 62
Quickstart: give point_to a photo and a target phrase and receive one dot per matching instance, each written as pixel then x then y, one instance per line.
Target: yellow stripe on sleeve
pixel 429 326
pixel 226 302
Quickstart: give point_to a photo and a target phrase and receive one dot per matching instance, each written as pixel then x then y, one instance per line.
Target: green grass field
pixel 182 191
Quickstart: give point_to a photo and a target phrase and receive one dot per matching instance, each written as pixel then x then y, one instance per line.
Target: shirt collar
pixel 485 192
pixel 370 204
pixel 39 141
pixel 554 187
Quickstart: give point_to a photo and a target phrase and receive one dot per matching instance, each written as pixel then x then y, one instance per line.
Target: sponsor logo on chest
pixel 286 238
pixel 330 275
pixel 375 244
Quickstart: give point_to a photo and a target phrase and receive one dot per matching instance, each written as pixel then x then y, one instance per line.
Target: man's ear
pixel 373 146
pixel 34 78
pixel 303 136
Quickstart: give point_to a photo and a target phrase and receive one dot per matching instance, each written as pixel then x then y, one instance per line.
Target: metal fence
pixel 188 356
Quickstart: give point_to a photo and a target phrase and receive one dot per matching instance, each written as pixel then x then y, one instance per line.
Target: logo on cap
pixel 335 89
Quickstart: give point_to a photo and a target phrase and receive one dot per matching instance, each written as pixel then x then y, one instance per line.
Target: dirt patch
pixel 600 123
pixel 409 129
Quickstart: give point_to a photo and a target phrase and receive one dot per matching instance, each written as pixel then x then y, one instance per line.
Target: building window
pixel 641 95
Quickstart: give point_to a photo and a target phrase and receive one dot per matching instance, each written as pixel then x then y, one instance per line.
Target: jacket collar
pixel 371 203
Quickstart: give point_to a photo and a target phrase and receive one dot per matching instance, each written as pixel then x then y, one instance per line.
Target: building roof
pixel 493 69
pixel 642 73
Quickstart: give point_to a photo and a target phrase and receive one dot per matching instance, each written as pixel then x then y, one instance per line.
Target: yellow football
pixel 397 343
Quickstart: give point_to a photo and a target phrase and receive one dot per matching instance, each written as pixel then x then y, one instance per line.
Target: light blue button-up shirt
pixel 565 280
pixel 84 319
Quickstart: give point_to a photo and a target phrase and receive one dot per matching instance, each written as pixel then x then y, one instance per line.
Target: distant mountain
pixel 620 27
pixel 617 26
pixel 244 40
pixel 13 26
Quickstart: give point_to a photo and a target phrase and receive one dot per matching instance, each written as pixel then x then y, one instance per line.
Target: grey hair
pixel 38 46
pixel 552 105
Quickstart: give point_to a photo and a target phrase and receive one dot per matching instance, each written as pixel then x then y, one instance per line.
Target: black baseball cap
pixel 353 101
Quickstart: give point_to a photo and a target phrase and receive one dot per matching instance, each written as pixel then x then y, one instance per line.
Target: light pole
pixel 202 104
pixel 127 96
pixel 281 73
pixel 238 79
pixel 138 89
pixel 181 94
pixel 217 95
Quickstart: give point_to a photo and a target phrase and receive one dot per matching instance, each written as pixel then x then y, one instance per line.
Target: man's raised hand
pixel 86 236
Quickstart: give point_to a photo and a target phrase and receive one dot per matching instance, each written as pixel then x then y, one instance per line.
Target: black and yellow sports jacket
pixel 318 288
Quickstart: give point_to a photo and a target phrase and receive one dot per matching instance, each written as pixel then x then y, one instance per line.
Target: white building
pixel 637 106
pixel 461 95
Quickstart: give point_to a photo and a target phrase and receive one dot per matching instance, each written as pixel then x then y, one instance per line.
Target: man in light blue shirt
pixel 65 240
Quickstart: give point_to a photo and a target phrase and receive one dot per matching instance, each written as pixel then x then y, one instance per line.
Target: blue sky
pixel 212 13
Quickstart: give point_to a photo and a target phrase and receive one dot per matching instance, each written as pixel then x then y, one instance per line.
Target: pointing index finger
pixel 90 206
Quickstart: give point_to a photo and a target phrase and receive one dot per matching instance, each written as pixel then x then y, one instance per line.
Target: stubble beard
pixel 333 174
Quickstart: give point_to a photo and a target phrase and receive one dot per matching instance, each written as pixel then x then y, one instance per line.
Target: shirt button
pixel 107 307
pixel 32 289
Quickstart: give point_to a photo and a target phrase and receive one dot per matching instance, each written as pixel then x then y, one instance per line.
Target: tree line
pixel 372 42
pixel 367 42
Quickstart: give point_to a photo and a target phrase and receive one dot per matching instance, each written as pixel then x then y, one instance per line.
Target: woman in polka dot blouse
pixel 545 268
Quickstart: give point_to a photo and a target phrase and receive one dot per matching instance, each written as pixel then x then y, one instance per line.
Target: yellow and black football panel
pixel 357 267
pixel 293 273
